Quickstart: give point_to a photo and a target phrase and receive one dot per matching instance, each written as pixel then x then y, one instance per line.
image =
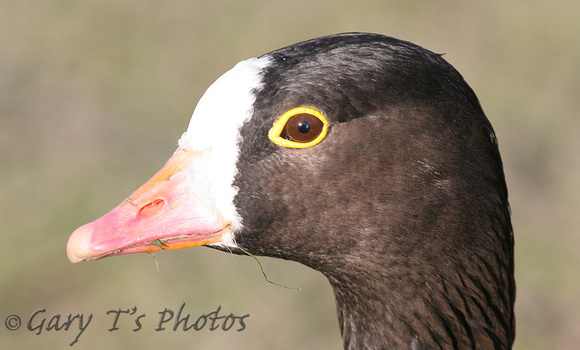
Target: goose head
pixel 362 156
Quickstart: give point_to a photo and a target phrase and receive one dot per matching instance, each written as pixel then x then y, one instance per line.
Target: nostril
pixel 152 208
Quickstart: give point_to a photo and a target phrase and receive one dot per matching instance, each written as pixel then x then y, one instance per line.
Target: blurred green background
pixel 95 94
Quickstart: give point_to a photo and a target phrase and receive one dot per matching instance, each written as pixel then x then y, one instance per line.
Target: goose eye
pixel 300 127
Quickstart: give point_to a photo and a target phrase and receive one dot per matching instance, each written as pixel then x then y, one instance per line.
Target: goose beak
pixel 172 210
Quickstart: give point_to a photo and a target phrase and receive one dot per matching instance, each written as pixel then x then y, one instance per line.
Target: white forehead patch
pixel 215 128
pixel 224 107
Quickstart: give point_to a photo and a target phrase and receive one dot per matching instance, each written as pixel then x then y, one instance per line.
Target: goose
pixel 359 155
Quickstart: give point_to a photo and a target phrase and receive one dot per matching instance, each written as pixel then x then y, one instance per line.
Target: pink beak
pixel 172 210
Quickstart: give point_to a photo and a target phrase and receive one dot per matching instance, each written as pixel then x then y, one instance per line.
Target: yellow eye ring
pixel 300 127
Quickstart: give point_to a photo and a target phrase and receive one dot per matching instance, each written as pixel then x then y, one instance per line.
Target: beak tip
pixel 78 246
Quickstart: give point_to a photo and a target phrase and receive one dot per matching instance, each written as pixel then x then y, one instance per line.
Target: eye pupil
pixel 304 127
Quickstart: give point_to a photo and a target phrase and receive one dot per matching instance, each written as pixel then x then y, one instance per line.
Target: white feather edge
pixel 215 128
